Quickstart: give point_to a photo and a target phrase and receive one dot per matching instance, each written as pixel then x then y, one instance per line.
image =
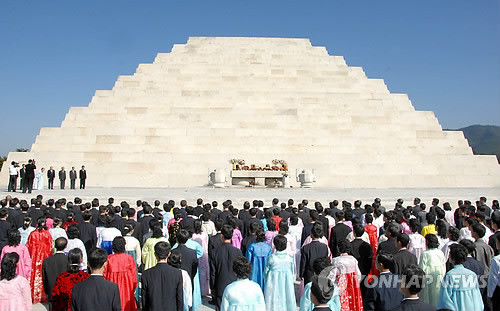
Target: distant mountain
pixel 483 139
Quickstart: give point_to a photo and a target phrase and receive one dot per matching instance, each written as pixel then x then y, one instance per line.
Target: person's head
pixel 26 222
pixel 316 231
pixel 60 244
pixel 322 289
pixel 8 266
pixel 13 237
pixel 162 250
pixel 97 259
pixel 280 242
pixel 495 220
pixel 175 259
pixel 358 230
pixel 283 228
pixel 478 231
pixel 242 267
pixel 412 281
pixel 368 219
pixel 182 236
pixel 118 245
pixel 73 232
pixel 41 224
pixel 157 228
pixel 402 240
pixel 198 226
pixel 431 218
pixel 227 232
pixel 385 261
pixel 431 241
pixel 441 229
pixel 294 220
pixel 392 230
pixel 453 234
pixel 321 263
pixel 414 225
pixel 254 226
pixel 75 258
pixel 271 224
pixel 260 236
pixel 469 245
pixel 344 246
pixel 458 254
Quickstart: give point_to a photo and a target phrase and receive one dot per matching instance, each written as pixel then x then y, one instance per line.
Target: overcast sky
pixel 55 54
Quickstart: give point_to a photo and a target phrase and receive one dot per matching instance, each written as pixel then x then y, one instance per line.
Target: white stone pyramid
pixel 258 99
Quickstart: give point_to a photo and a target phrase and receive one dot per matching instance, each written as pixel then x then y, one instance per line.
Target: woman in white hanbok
pixel 39 180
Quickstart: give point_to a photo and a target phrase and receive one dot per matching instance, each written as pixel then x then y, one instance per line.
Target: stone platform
pixel 239 195
pixel 214 99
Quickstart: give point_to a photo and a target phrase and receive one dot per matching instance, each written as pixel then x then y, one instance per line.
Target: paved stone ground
pixel 239 195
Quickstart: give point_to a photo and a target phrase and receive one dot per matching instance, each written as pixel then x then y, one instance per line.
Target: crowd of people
pixel 33 179
pixel 78 255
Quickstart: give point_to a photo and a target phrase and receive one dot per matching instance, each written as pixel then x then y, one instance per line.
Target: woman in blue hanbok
pixel 243 294
pixel 258 253
pixel 460 289
pixel 279 291
pixel 106 235
pixel 196 281
pixel 26 229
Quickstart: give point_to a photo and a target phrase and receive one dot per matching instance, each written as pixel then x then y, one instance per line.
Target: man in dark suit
pixel 310 252
pixel 72 178
pixel 495 224
pixel 253 219
pixel 96 293
pixel 306 231
pixel 162 284
pixel 189 262
pixel 29 176
pixel 4 227
pixel 383 295
pixel 198 210
pixel 361 250
pixel 187 223
pixel 413 279
pixel 22 175
pixel 338 233
pixel 51 174
pixel 62 177
pixel 389 246
pixel 221 266
pixel 88 233
pixel 83 177
pixel 403 258
pixel 146 219
pixel 53 266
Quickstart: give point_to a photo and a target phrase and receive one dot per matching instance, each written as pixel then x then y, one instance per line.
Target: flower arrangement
pixel 238 161
pixel 281 162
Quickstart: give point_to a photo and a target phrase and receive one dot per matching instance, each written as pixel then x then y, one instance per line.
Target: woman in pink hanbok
pixel 14 289
pixel 202 238
pixel 14 246
pixel 417 241
pixel 347 275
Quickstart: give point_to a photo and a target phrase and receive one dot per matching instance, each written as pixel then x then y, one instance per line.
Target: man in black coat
pixel 146 219
pixel 311 252
pixel 198 210
pixel 215 241
pixel 389 246
pixel 189 261
pixel 136 225
pixel 51 174
pixel 4 227
pixel 62 178
pixel 413 278
pixel 221 265
pixel 22 175
pixel 29 176
pixel 72 178
pixel 495 224
pixel 338 233
pixel 162 284
pixel 83 177
pixel 403 258
pixel 53 266
pixel 253 219
pixel 187 223
pixel 96 293
pixel 361 250
pixel 383 295
pixel 88 233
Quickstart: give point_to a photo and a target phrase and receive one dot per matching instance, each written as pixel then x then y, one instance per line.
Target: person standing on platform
pixel 22 174
pixel 13 174
pixel 83 177
pixel 72 178
pixel 62 177
pixel 29 176
pixel 51 174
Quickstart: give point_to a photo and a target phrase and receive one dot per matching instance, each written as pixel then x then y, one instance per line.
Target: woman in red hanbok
pixel 122 270
pixel 63 287
pixel 372 232
pixel 347 275
pixel 40 246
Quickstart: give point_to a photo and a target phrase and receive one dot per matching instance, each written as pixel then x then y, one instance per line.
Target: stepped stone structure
pixel 258 99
